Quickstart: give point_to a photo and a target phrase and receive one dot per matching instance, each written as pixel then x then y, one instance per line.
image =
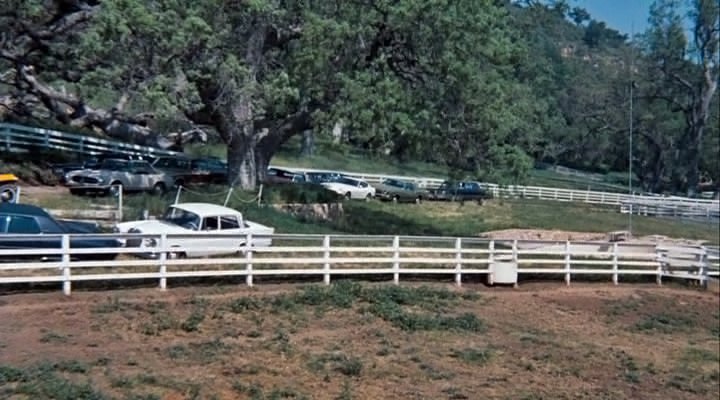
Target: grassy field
pixel 351 341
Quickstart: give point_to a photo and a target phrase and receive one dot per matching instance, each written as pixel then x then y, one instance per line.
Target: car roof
pixel 24 209
pixel 206 209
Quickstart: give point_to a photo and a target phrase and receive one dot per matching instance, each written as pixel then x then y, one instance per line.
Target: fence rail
pixel 499 261
pixel 650 205
pixel 13 136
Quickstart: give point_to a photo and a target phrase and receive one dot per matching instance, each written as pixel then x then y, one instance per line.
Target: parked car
pixel 321 176
pixel 279 175
pixel 39 226
pixel 185 171
pixel 60 170
pixel 351 188
pixel 204 222
pixel 460 191
pixel 399 191
pixel 131 176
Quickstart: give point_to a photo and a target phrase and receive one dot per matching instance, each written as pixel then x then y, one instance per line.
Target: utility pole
pixel 630 147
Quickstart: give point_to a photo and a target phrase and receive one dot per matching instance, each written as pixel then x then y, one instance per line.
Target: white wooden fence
pixel 641 204
pixel 334 255
pixel 13 136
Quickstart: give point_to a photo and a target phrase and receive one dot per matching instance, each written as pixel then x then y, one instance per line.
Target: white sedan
pixel 197 230
pixel 351 188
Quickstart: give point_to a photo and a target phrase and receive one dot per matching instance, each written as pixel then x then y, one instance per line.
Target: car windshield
pixel 183 218
pixel 114 165
pixel 347 181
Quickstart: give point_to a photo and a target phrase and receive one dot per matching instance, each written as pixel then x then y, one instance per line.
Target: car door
pixel 26 225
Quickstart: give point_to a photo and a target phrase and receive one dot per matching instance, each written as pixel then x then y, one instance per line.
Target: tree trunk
pixel 242 164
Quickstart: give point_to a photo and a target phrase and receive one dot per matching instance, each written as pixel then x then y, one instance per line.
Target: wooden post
pixel 567 263
pixel 491 260
pixel 659 268
pixel 515 257
pixel 65 264
pixel 120 203
pixel 326 257
pixel 458 262
pixel 396 260
pixel 227 198
pixel 703 268
pixel 615 264
pixel 248 258
pixel 259 197
pixel 163 260
pixel 177 195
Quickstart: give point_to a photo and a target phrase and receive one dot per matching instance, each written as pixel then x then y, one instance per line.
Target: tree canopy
pixel 486 87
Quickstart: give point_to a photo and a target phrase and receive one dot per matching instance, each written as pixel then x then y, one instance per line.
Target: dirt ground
pixel 540 341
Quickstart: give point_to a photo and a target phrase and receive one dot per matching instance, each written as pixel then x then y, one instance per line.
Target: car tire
pixel 348 196
pixel 176 255
pixel 368 197
pixel 159 189
pixel 396 199
pixel 418 200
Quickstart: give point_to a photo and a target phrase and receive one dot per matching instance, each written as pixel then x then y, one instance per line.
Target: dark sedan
pixel 40 230
pixel 460 191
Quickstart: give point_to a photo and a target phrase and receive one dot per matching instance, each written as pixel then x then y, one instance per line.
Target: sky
pixel 625 16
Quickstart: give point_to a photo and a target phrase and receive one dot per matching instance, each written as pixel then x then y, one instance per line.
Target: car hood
pixel 151 226
pixel 79 226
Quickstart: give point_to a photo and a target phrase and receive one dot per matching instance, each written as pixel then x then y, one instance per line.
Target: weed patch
pixel 473 356
pixel 339 362
pixel 664 323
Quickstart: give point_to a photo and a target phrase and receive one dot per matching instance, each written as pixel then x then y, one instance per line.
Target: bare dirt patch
pixel 363 342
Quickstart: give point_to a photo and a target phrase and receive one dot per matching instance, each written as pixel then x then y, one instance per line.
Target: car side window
pixel 20 224
pixel 210 224
pixel 229 222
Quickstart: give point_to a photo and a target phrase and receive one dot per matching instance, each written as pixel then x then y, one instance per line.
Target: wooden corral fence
pixel 325 256
pixel 14 137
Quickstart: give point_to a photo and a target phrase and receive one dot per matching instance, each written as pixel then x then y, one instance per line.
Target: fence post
pixel 567 262
pixel 163 259
pixel 177 195
pixel 248 258
pixel 703 268
pixel 326 257
pixel 659 267
pixel 396 260
pixel 615 263
pixel 120 203
pixel 65 264
pixel 458 262
pixel 491 260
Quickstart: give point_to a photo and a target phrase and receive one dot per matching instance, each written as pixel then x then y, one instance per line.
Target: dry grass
pixel 362 342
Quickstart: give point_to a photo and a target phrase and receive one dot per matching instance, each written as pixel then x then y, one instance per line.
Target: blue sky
pixel 622 15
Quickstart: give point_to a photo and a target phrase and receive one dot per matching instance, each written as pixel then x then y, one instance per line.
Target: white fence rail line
pixel 649 205
pixel 14 136
pixel 331 255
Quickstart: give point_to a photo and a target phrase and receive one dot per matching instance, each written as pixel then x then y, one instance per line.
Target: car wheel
pixel 396 199
pixel 159 189
pixel 176 255
pixel 418 200
pixel 368 197
pixel 115 188
pixel 348 196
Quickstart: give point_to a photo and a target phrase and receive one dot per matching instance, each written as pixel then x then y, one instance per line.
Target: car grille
pixel 85 179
